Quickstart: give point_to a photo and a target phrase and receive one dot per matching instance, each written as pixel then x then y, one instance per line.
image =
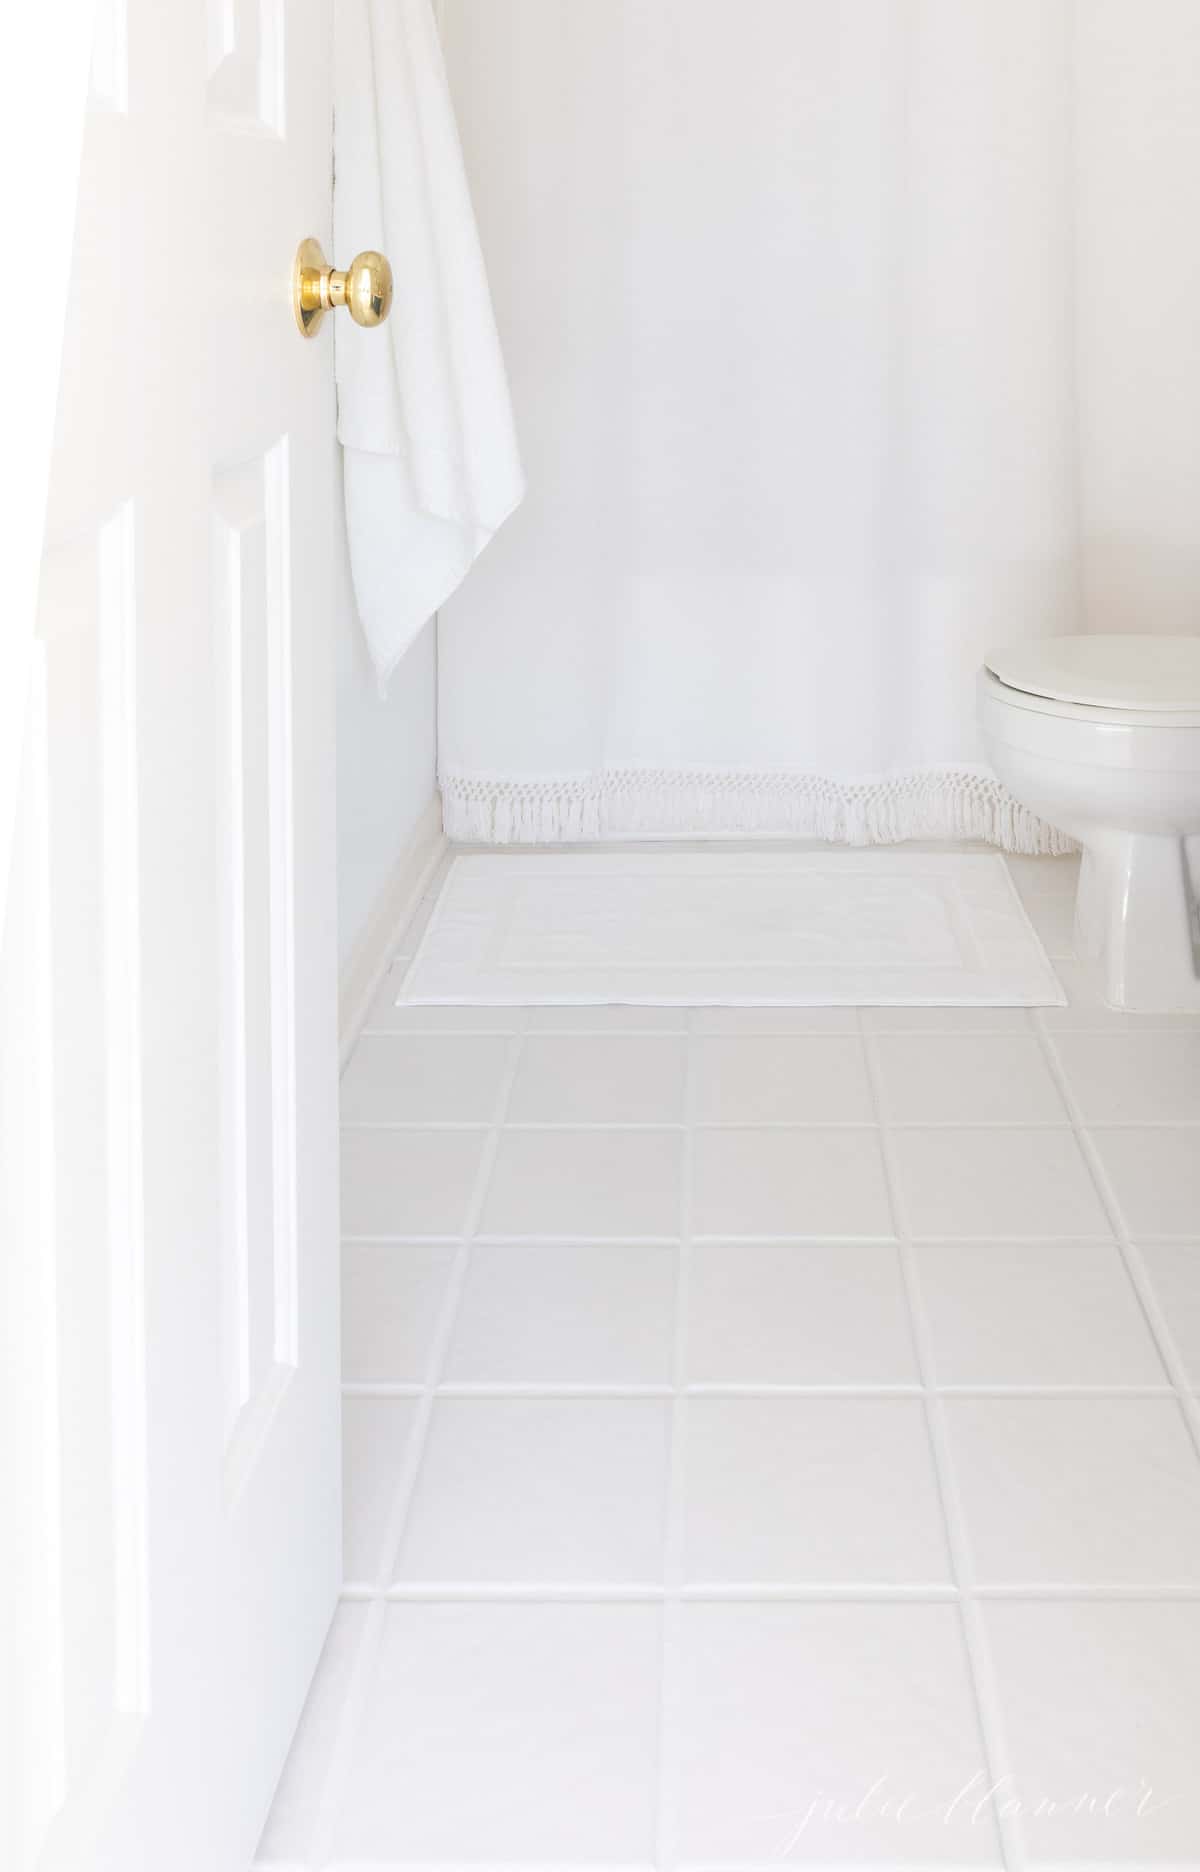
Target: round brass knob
pixel 365 288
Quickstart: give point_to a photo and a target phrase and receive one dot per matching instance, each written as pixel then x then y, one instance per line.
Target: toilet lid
pixel 1155 674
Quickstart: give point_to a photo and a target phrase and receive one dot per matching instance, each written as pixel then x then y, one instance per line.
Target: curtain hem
pixel 928 803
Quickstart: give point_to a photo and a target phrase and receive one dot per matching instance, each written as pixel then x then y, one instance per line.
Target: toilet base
pixel 1125 785
pixel 1137 920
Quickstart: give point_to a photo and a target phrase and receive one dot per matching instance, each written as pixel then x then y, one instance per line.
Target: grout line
pixel 1168 1351
pixel 1053 1592
pixel 723 1239
pixel 439 1033
pixel 558 1238
pixel 1138 1124
pixel 729 1030
pixel 1055 1393
pixel 718 1388
pixel 565 1393
pixel 1068 1021
pixel 353 1709
pixel 702 1592
pixel 829 1239
pixel 604 1241
pixel 848 1393
pixel 974 1633
pixel 762 1592
pixel 943 1031
pixel 541 1126
pixel 403 1241
pixel 668 1767
pixel 524 1592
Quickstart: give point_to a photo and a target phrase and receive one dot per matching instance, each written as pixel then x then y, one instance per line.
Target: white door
pixel 168 1047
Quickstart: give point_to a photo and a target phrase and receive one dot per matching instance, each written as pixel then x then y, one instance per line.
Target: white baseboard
pixel 368 961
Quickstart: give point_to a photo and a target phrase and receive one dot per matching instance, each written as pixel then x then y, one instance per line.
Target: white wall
pixel 387 756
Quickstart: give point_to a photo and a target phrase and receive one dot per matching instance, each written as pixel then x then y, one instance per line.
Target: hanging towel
pixel 432 467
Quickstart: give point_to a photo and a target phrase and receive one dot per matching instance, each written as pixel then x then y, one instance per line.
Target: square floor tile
pixel 580 1183
pixel 1092 1491
pixel 392 1296
pixel 798 1313
pixel 946 1020
pixel 599 1079
pixel 1138 1078
pixel 781 1079
pixel 1102 1724
pixel 800 1729
pixel 607 1020
pixel 517 1489
pixel 554 1313
pixel 782 1183
pixel 996 1182
pixel 424 1079
pixel 376 1437
pixel 507 1734
pixel 967 1079
pixel 812 1490
pixel 1035 1313
pixel 783 1020
pixel 1155 1174
pixel 1174 1270
pixel 398 1183
pixel 287 1838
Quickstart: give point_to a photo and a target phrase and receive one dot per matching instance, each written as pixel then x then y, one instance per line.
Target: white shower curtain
pixel 846 339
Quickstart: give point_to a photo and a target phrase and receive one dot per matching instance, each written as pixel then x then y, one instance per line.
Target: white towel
pixel 424 415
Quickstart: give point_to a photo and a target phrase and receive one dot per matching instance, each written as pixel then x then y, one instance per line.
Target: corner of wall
pixel 388 809
pixel 367 963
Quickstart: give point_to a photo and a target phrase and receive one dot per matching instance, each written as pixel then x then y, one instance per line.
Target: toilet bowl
pixel 1100 736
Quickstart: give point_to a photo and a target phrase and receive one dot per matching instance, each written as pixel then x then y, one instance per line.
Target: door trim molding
pixel 368 961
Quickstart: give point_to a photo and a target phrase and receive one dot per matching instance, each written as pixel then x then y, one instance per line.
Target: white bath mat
pixel 770 929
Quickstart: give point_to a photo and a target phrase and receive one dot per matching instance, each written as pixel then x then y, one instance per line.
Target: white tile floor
pixel 770 1438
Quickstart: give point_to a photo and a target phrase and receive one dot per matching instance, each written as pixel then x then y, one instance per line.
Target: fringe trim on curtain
pixel 933 803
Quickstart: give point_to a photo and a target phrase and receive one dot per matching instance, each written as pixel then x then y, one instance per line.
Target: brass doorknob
pixel 365 288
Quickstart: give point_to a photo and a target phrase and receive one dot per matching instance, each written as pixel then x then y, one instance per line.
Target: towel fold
pixel 432 467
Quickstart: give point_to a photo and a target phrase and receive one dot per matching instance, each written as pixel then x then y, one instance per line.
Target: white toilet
pixel 1100 736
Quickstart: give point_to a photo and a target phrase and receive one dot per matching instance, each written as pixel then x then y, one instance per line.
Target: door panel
pixel 247 74
pixel 168 975
pixel 252 634
pixel 84 739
